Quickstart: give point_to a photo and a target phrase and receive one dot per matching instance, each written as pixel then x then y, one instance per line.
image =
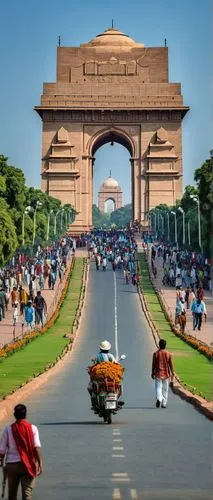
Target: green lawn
pixel 193 369
pixel 33 358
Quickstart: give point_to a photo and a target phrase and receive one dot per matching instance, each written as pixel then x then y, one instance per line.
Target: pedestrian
pixel 14 295
pixel 187 291
pixel 3 303
pixel 29 314
pixel 15 314
pixel 20 444
pixel 104 263
pixel 41 280
pixel 198 309
pixel 162 372
pixel 40 308
pixel 23 297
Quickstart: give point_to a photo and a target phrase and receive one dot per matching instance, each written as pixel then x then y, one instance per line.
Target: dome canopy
pixel 113 37
pixel 110 183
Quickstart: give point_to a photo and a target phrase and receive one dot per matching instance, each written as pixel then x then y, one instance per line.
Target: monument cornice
pixel 112 115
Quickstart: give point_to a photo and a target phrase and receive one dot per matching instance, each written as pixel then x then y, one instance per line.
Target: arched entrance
pixel 122 136
pixel 112 88
pixel 109 205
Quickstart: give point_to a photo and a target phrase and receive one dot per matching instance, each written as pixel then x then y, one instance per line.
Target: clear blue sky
pixel 28 39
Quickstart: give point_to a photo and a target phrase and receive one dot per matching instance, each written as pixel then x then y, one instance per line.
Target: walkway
pixel 6 325
pixel 146 454
pixel 169 296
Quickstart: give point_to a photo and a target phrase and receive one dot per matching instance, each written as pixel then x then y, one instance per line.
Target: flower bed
pixel 12 347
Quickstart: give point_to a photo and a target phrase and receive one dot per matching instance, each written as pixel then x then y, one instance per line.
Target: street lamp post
pixel 26 211
pixel 175 216
pixel 196 199
pixel 162 224
pixel 155 215
pixel 189 233
pixel 48 225
pixel 183 214
pixel 55 221
pixel 62 211
pixel 66 219
pixel 168 228
pixel 38 204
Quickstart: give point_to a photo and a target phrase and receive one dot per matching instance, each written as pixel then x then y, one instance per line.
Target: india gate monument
pixel 110 190
pixel 112 89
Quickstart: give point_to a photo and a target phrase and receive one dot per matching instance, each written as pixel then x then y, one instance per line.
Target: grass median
pixel 192 368
pixel 34 357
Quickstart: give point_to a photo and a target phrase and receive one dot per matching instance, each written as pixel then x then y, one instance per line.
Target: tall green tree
pixel 8 238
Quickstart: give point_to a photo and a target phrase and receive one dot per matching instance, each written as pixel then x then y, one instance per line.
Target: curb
pixel 198 402
pixel 7 404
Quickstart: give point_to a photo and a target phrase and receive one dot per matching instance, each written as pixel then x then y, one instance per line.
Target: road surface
pixel 147 453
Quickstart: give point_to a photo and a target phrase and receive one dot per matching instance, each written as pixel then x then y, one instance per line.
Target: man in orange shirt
pixel 162 372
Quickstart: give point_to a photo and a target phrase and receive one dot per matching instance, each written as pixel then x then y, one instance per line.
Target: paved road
pixel 146 453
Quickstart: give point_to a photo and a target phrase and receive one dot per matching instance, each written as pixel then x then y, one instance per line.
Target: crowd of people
pixel 24 278
pixel 189 273
pixel 116 249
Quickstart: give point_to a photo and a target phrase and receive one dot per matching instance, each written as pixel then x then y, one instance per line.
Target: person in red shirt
pixel 162 372
pixel 21 445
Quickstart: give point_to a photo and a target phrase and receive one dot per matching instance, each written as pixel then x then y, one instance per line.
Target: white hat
pixel 105 345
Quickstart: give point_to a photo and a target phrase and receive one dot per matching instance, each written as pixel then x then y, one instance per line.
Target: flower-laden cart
pixel 106 388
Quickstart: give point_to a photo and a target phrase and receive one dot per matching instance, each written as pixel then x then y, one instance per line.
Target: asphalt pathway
pixel 147 453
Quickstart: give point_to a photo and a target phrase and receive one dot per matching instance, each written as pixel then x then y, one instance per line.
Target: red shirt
pixel 161 366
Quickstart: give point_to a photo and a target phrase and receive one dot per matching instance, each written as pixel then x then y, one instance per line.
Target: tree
pixel 99 219
pixel 8 238
pixel 122 216
pixel 204 179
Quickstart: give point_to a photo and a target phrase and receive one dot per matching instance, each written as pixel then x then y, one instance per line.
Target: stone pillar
pixel 136 199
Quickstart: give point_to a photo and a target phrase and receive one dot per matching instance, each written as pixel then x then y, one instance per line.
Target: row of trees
pixel 197 202
pixel 27 215
pixel 119 218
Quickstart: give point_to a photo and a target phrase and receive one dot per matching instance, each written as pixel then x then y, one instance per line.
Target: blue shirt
pixel 103 357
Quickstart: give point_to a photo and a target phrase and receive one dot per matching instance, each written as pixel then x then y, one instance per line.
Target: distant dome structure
pixel 110 182
pixel 110 190
pixel 112 38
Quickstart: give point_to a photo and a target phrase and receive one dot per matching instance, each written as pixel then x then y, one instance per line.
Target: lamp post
pixel 175 216
pixel 183 214
pixel 66 219
pixel 196 199
pixel 62 211
pixel 155 215
pixel 55 221
pixel 48 225
pixel 38 204
pixel 162 224
pixel 158 215
pixel 189 233
pixel 26 211
pixel 168 227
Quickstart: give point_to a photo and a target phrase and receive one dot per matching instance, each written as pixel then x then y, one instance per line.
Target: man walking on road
pixel 20 444
pixel 162 371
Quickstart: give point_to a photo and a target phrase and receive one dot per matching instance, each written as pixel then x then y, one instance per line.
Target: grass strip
pixel 192 368
pixel 34 358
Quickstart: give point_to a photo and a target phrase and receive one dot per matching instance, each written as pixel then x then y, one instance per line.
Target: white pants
pixel 162 389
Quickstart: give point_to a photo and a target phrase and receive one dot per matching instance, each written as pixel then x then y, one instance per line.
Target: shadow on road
pixel 71 423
